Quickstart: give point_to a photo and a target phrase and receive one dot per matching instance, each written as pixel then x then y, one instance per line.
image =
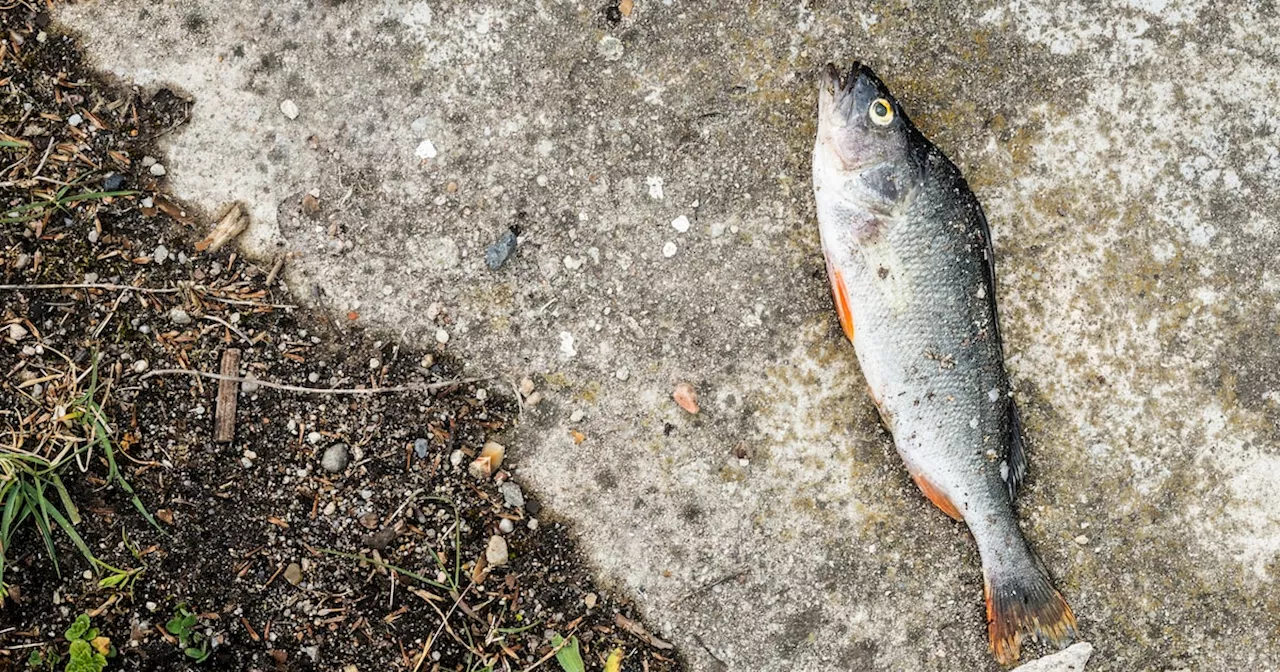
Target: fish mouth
pixel 837 83
pixel 839 92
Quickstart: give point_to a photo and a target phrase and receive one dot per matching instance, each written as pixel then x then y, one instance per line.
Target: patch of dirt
pixel 254 536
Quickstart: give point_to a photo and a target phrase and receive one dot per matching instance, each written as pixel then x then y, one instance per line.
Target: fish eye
pixel 881 112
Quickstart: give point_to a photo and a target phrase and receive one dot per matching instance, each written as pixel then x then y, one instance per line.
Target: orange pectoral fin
pixel 935 495
pixel 840 296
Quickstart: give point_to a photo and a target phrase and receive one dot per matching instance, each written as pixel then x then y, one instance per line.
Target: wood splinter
pixel 228 392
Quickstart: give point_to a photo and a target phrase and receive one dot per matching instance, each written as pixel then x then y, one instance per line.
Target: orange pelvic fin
pixel 1023 605
pixel 935 495
pixel 840 296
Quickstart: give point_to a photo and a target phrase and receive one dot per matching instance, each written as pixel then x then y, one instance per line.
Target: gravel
pixel 179 317
pixel 335 458
pixel 496 254
pixel 512 495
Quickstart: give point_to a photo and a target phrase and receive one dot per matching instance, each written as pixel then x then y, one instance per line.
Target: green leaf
pixel 568 656
pixel 199 655
pixel 78 628
pixel 84 658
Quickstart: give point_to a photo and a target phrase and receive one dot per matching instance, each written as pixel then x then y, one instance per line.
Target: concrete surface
pixel 1126 155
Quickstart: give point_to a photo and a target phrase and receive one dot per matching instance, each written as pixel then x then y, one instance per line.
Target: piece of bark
pixel 231 221
pixel 228 391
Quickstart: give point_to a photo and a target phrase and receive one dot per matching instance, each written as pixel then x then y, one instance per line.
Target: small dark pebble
pixel 612 14
pixel 532 506
pixel 380 539
pixel 113 181
pixel 420 448
pixel 496 255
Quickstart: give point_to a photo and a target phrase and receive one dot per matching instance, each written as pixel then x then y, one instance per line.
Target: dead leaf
pixel 102 645
pixel 614 663
pixel 165 516
pixel 578 437
pixel 231 222
pixel 625 6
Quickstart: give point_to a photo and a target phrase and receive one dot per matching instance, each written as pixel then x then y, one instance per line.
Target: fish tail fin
pixel 1022 603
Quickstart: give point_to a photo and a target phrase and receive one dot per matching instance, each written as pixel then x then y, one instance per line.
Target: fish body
pixel 912 275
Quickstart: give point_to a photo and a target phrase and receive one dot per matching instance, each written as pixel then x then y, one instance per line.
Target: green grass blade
pixel 12 504
pixel 93 195
pixel 67 505
pixel 70 531
pixel 378 563
pixel 14 144
pixel 33 506
pixel 100 433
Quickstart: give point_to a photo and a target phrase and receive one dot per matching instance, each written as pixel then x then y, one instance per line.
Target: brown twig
pixel 94 285
pixel 314 390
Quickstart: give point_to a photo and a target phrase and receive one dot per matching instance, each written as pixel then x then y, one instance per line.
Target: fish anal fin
pixel 840 296
pixel 934 494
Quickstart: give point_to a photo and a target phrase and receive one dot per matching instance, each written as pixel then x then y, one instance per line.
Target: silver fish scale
pixel 928 343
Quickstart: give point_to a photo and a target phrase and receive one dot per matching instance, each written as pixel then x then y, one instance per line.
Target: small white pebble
pixel 669 250
pixel 157 169
pixel 506 526
pixel 442 336
pixel 482 394
pixel 375 364
pixel 314 437
pixel 75 120
pixel 313 377
pixel 622 374
pixel 1082 540
pixel 572 263
pixel 455 458
pixel 577 415
pixel 426 150
pixel 533 523
pixel 152 606
pixel 289 108
pixel 680 223
pixel 246 463
pixel 140 366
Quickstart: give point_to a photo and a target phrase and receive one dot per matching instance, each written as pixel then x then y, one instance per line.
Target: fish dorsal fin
pixel 1014 470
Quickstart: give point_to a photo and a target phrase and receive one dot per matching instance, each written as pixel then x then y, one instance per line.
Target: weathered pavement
pixel 1126 155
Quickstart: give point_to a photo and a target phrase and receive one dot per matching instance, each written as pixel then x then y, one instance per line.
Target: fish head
pixel 866 147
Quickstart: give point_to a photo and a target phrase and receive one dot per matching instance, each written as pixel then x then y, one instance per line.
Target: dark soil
pixel 235 516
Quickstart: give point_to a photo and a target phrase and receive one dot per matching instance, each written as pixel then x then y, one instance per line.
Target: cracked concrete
pixel 1125 152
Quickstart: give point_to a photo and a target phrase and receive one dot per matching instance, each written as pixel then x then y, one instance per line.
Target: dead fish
pixel 912 274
